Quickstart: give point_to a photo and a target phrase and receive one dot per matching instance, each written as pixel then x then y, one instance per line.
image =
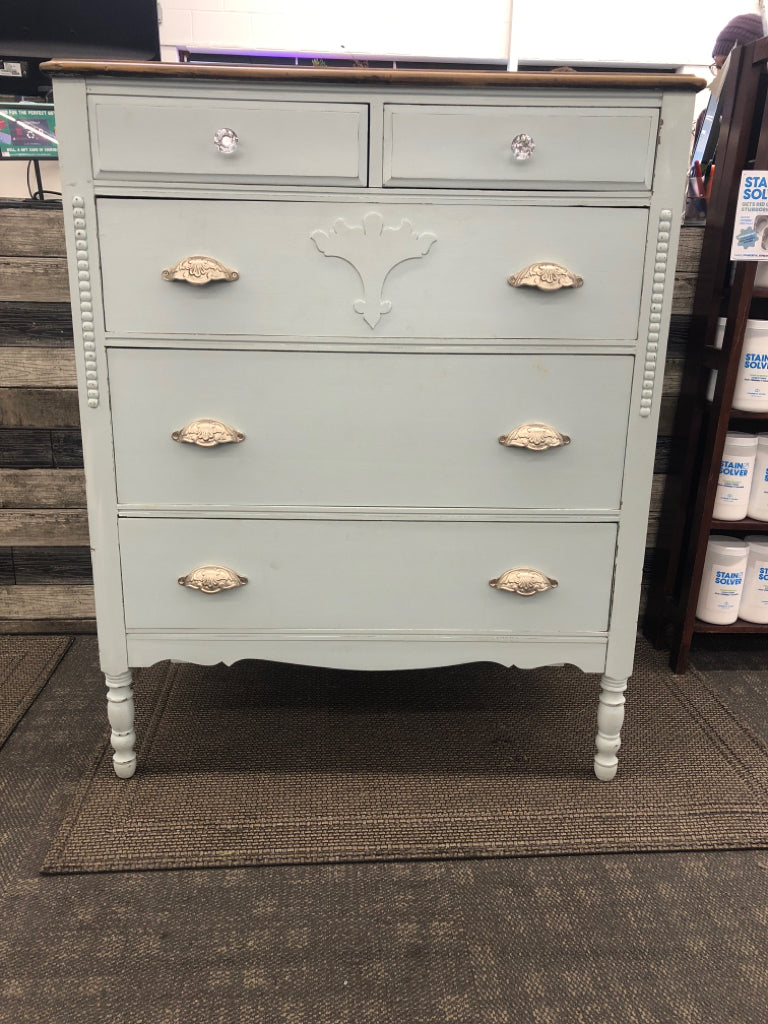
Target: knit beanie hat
pixel 738 32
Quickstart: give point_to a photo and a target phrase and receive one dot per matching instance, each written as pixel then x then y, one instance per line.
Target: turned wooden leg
pixel 120 712
pixel 610 718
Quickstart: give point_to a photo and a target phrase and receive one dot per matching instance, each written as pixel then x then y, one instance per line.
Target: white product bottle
pixel 735 480
pixel 757 508
pixel 751 391
pixel 722 580
pixel 754 595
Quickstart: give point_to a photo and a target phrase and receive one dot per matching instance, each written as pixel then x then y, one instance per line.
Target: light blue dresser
pixel 370 363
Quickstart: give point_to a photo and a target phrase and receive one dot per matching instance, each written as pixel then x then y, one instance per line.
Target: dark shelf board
pixel 739 525
pixel 739 626
pixel 735 415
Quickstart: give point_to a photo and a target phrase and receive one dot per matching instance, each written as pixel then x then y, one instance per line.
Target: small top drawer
pixel 595 148
pixel 280 142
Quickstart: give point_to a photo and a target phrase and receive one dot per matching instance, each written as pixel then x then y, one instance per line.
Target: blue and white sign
pixel 750 225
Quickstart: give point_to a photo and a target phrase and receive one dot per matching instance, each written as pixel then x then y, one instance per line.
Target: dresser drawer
pixel 281 142
pixel 577 147
pixel 341 269
pixel 314 574
pixel 367 429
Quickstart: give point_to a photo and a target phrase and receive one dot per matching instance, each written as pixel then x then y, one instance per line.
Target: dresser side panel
pixel 80 226
pixel 661 254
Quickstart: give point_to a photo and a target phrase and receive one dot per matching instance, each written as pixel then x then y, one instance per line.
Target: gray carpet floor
pixel 663 938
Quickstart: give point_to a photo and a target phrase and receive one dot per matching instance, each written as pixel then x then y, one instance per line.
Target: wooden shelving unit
pixel 722 290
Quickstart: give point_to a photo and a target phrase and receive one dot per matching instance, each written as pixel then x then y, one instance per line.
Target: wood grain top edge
pixel 385 76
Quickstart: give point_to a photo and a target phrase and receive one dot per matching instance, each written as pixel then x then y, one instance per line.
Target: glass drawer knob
pixel 226 141
pixel 522 147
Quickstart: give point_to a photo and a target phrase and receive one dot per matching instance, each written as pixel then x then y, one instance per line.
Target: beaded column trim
pixel 654 320
pixel 85 298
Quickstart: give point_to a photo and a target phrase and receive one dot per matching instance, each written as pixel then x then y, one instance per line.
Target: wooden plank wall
pixel 45 571
pixel 45 566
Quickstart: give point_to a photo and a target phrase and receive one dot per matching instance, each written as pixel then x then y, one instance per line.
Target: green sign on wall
pixel 28 132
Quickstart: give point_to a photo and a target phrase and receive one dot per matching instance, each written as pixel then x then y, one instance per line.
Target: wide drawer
pixel 281 142
pixel 579 147
pixel 313 574
pixel 368 429
pixel 343 269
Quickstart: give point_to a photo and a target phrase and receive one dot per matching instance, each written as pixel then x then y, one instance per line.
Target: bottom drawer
pixel 314 574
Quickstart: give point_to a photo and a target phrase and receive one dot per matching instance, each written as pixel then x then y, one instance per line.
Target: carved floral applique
pixel 373 249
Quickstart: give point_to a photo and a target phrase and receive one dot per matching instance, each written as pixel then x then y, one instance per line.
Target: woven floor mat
pixel 26 665
pixel 265 763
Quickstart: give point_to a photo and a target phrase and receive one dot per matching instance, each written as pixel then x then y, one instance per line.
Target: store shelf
pixel 726 291
pixel 739 525
pixel 739 417
pixel 739 626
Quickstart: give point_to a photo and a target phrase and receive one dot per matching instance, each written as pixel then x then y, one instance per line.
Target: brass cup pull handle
pixel 547 277
pixel 525 582
pixel 208 433
pixel 199 270
pixel 537 437
pixel 211 579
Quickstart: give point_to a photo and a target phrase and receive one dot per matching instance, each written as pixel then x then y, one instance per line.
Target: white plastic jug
pixel 751 391
pixel 735 479
pixel 757 507
pixel 722 580
pixel 754 594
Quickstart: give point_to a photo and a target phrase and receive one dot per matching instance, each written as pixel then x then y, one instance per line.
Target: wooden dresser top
pixel 393 76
